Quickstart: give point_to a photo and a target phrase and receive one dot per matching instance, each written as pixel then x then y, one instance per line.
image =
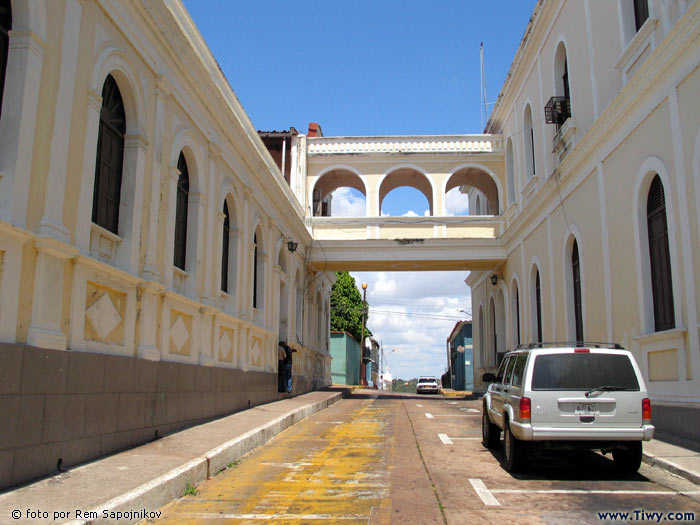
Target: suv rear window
pixel 583 371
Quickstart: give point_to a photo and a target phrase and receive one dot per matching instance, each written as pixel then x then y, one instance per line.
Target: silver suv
pixel 567 396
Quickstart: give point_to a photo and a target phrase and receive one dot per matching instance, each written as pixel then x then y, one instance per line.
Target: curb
pixel 169 486
pixel 671 467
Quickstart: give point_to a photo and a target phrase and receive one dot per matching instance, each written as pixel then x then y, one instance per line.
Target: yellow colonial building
pixel 600 117
pixel 146 270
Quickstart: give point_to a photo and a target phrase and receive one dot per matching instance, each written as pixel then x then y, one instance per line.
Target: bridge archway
pixel 479 178
pixel 331 179
pixel 410 176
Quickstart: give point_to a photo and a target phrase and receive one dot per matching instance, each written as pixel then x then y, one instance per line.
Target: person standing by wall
pixel 288 367
pixel 281 370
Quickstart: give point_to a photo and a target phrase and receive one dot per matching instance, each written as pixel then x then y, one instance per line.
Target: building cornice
pixel 421 144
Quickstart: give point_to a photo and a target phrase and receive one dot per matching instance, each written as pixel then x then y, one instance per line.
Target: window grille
pixel 183 191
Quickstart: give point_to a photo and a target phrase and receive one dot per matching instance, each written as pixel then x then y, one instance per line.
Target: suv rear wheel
pixel 628 459
pixel 490 433
pixel 514 450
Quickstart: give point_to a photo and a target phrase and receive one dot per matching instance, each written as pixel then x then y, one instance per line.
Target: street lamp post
pixel 363 370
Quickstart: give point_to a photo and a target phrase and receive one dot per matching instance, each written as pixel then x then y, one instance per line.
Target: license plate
pixel 586 409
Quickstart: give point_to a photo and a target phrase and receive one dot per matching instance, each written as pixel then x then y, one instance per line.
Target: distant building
pixel 459 356
pixel 345 359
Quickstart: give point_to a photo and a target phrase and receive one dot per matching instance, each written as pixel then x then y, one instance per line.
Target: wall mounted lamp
pixel 494 279
pixel 291 245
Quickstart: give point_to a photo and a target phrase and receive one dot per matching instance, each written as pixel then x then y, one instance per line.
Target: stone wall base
pixel 61 408
pixel 678 425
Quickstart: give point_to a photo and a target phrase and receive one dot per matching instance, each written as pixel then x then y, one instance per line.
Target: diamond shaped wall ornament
pixel 103 316
pixel 179 334
pixel 225 346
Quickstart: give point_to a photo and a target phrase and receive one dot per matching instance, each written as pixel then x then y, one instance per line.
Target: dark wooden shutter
pixel 517 316
pixel 224 249
pixel 255 270
pixel 660 258
pixel 532 147
pixel 495 335
pixel 183 192
pixel 110 158
pixel 641 13
pixel 578 310
pixel 538 303
pixel 565 80
pixel 5 27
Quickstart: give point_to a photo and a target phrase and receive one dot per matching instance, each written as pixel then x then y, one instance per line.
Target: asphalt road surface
pixel 397 458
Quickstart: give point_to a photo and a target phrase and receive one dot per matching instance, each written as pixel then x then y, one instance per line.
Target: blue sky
pixel 382 67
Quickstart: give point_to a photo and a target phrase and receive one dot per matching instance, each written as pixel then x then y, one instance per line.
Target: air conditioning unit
pixel 557 110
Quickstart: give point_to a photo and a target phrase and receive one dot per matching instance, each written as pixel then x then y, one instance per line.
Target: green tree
pixel 346 306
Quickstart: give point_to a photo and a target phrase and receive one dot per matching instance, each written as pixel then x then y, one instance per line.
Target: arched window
pixel 494 332
pixel 5 26
pixel 255 270
pixel 183 191
pixel 529 136
pixel 660 259
pixel 516 314
pixel 110 158
pixel 576 276
pixel 510 172
pixel 224 249
pixel 482 338
pixel 538 307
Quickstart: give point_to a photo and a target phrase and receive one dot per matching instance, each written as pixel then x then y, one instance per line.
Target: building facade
pixel 460 360
pixel 146 273
pixel 600 117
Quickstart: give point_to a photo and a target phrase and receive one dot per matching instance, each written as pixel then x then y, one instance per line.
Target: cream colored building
pixel 127 167
pixel 620 172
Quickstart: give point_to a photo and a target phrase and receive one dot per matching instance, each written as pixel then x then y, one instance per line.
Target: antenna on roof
pixel 483 86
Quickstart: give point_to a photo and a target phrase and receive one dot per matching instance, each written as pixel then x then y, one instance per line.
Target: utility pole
pixel 363 370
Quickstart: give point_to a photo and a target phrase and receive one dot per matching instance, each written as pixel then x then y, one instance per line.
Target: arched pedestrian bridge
pixel 433 165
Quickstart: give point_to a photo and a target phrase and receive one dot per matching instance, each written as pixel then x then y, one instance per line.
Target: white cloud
pixel 410 213
pixel 432 300
pixel 348 202
pixel 457 203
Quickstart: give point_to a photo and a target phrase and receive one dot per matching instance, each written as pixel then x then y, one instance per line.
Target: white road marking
pixel 452 402
pixel 485 494
pixel 431 416
pixel 419 406
pixel 596 491
pixel 445 440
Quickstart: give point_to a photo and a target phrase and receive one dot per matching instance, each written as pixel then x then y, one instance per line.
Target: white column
pixel 211 250
pixel 196 243
pixel 148 321
pixel 244 295
pixel 52 222
pixel 18 124
pixel 173 176
pixel 87 181
pixel 218 253
pixel 163 90
pixel 131 201
pixel 206 351
pixel 45 328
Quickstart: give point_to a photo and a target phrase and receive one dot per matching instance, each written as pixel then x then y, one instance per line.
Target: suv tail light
pixel 525 411
pixel 646 410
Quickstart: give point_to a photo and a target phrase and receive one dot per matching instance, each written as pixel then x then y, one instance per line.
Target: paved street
pixel 408 459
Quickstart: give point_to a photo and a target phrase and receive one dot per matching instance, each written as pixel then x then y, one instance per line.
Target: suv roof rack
pixel 578 344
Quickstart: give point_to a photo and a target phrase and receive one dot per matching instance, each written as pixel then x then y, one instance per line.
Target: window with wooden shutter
pixel 110 158
pixel 5 27
pixel 224 249
pixel 538 305
pixel 255 270
pixel 517 316
pixel 181 202
pixel 660 258
pixel 641 13
pixel 578 310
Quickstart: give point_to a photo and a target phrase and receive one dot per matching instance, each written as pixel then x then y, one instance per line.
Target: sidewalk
pixel 678 460
pixel 143 479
